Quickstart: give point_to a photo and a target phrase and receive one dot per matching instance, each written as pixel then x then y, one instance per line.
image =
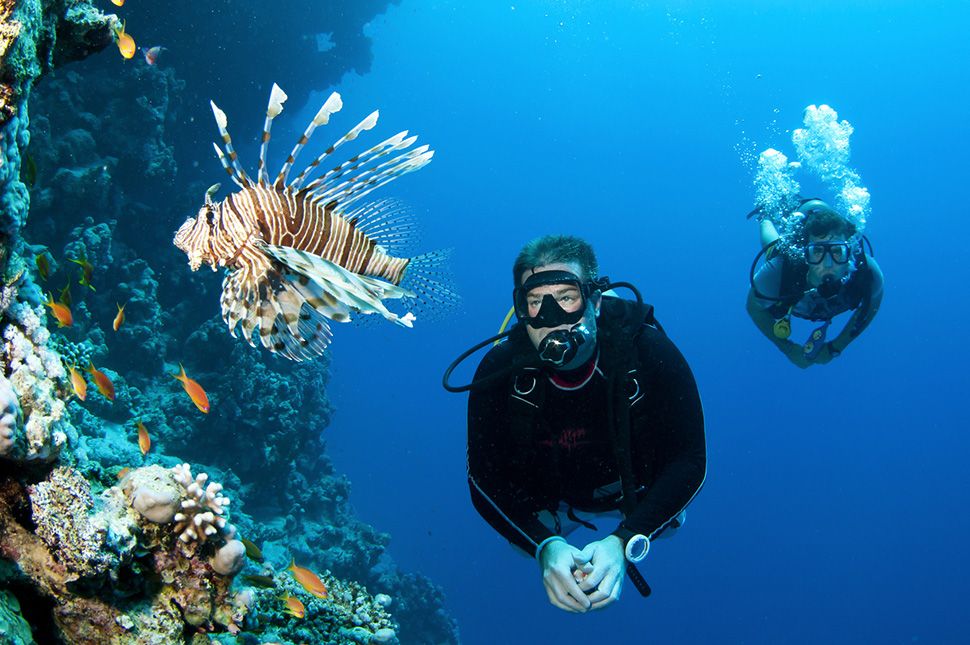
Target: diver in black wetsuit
pixel 829 273
pixel 607 419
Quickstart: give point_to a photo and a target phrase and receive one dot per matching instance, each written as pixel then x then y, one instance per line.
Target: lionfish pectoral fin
pixel 341 290
pixel 272 311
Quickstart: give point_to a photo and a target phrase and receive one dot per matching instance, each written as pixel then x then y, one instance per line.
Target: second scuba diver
pixel 588 410
pixel 818 270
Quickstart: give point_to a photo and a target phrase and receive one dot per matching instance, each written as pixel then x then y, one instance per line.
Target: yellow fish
pixel 78 384
pixel 60 311
pixel 105 386
pixel 43 266
pixel 120 318
pixel 144 441
pixel 194 390
pixel 308 580
pixel 293 606
pixel 126 44
pixel 118 3
pixel 87 271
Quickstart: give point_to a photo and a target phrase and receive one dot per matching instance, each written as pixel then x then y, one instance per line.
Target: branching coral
pixel 203 511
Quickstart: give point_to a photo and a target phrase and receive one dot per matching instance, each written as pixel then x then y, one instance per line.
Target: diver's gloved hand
pixel 558 560
pixel 605 582
pixel 796 354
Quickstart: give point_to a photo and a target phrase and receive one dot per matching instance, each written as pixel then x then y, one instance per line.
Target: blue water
pixel 835 505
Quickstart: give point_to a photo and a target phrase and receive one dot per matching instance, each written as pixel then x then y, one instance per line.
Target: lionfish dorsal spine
pixel 276 98
pixel 225 165
pixel 222 124
pixel 332 105
pixel 399 141
pixel 369 122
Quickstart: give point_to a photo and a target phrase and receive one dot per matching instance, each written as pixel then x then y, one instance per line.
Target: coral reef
pixel 89 530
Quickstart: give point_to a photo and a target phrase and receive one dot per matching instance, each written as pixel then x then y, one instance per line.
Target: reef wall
pixel 101 539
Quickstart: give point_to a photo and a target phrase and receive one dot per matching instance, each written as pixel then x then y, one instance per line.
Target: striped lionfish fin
pixel 369 122
pixel 274 313
pixel 276 99
pixel 388 222
pixel 238 174
pixel 353 292
pixel 333 104
pixel 356 187
pixel 399 141
pixel 225 164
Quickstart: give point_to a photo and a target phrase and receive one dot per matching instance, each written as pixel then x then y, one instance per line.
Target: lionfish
pixel 299 253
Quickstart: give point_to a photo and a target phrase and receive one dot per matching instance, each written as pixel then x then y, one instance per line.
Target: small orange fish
pixel 308 580
pixel 78 384
pixel 105 386
pixel 43 266
pixel 124 471
pixel 118 3
pixel 144 441
pixel 60 311
pixel 126 44
pixel 120 318
pixel 87 272
pixel 194 390
pixel 293 606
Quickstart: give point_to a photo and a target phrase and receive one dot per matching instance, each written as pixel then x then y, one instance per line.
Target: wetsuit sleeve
pixel 497 497
pixel 670 427
pixel 862 316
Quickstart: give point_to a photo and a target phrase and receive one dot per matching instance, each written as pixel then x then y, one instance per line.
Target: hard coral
pixel 11 418
pixel 89 536
pixel 202 514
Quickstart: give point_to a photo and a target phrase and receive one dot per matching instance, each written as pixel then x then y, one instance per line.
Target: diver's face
pixel 828 266
pixel 568 296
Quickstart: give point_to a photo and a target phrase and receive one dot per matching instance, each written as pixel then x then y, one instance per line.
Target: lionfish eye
pixel 210 216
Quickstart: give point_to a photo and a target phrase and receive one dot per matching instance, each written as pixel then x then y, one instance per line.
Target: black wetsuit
pixel 570 454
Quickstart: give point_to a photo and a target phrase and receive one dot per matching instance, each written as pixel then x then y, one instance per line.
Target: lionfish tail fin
pixel 340 291
pixel 429 278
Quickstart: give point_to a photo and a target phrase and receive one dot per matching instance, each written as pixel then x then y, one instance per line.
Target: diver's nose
pixel 829 262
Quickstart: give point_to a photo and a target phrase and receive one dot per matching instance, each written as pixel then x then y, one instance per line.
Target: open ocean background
pixel 835 508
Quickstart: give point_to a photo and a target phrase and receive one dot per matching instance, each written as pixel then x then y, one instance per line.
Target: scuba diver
pixel 588 411
pixel 817 271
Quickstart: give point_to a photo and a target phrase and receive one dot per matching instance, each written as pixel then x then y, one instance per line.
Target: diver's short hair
pixel 821 220
pixel 551 249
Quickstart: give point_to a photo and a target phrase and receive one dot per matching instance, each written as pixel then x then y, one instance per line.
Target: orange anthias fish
pixel 308 580
pixel 124 471
pixel 120 318
pixel 144 441
pixel 194 390
pixel 126 44
pixel 78 384
pixel 293 606
pixel 105 386
pixel 118 3
pixel 87 271
pixel 60 311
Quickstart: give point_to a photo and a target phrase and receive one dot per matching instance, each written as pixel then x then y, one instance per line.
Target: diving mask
pixel 565 306
pixel 840 252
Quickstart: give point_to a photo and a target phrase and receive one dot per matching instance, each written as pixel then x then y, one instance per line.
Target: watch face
pixel 637 548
